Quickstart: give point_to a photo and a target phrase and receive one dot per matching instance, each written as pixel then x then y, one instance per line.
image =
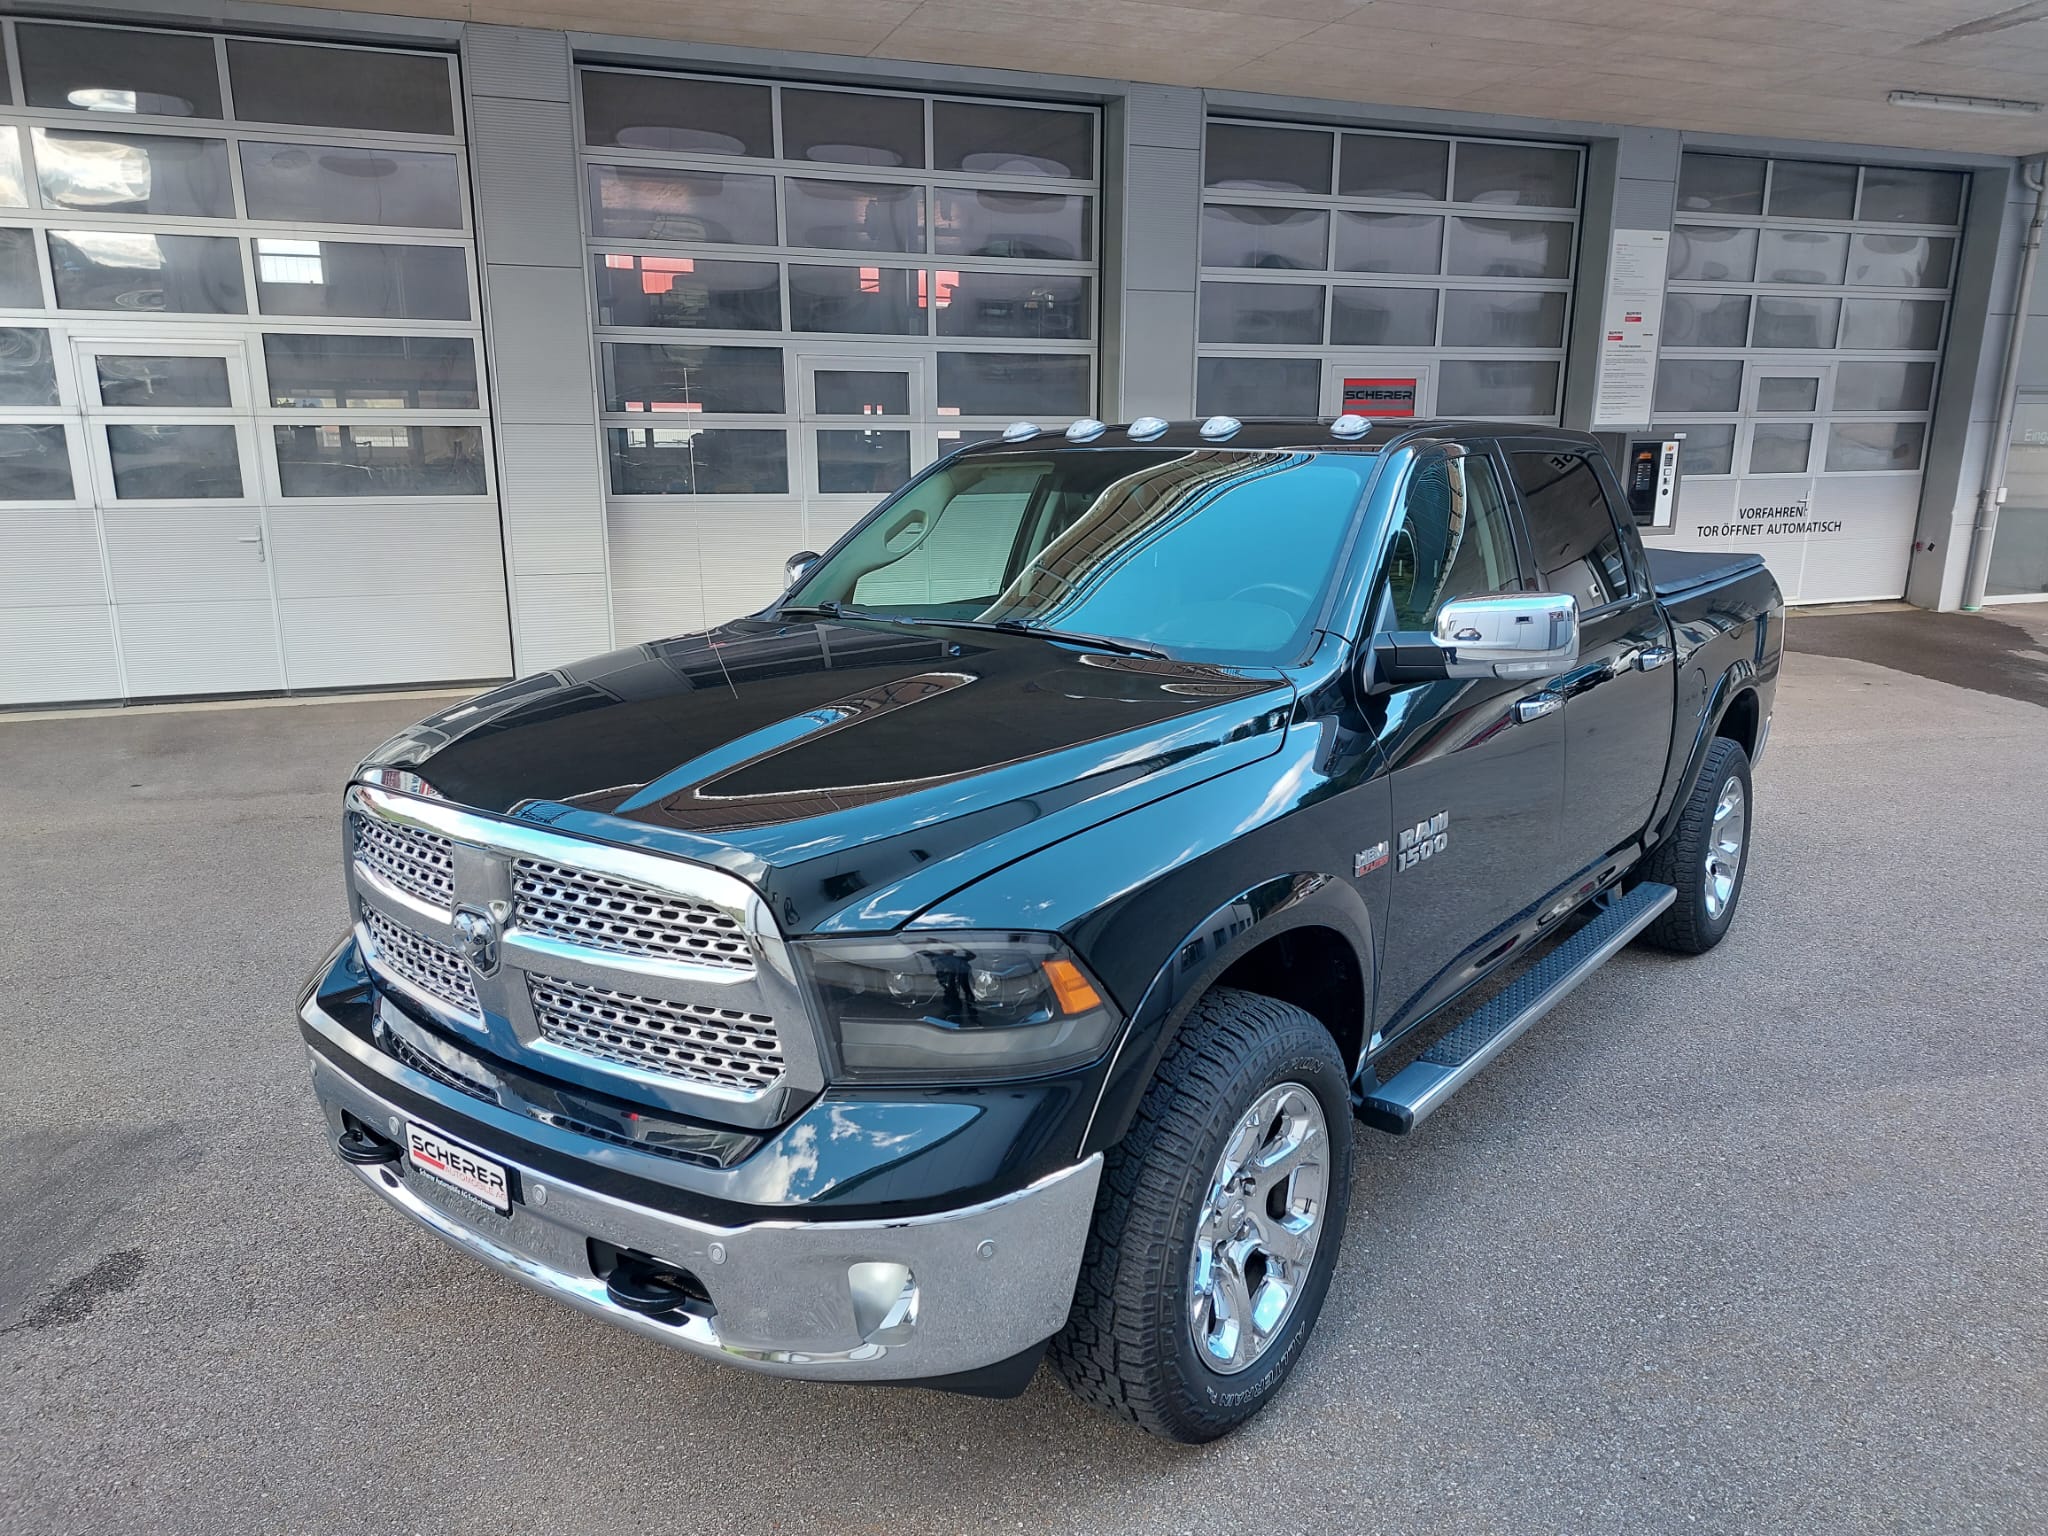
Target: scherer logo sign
pixel 1770 520
pixel 1379 397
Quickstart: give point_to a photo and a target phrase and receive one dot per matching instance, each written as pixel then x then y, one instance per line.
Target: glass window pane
pixel 688 291
pixel 344 278
pixel 380 460
pixel 1012 141
pixel 853 215
pixel 1527 175
pixel 1265 237
pixel 860 301
pixel 133 173
pixel 1712 253
pixel 1780 447
pixel 1708 449
pixel 1893 195
pixel 1478 317
pixel 1014 384
pixel 1578 547
pixel 1267 159
pixel 153 463
pixel 686 461
pixel 710 379
pixel 1864 386
pixel 846 128
pixel 863 463
pixel 637 202
pixel 109 69
pixel 1705 319
pixel 1791 393
pixel 35 464
pixel 1258 386
pixel 1801 256
pixel 1900 261
pixel 1720 184
pixel 1048 306
pixel 1810 189
pixel 1381 317
pixel 1489 388
pixel 1382 165
pixel 13 184
pixel 434 373
pixel 147 274
pixel 861 392
pixel 21 285
pixel 1699 384
pixel 1390 242
pixel 340 87
pixel 1035 226
pixel 1456 538
pixel 1796 322
pixel 1892 325
pixel 1511 248
pixel 1284 313
pixel 183 383
pixel 1854 445
pixel 27 374
pixel 330 184
pixel 694 117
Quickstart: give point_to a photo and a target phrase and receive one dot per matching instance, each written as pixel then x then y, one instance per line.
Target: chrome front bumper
pixel 904 1300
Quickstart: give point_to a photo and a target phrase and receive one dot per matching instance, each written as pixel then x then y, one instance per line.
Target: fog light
pixel 884 1301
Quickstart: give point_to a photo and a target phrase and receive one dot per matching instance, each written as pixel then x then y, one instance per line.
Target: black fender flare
pixel 1272 907
pixel 1737 679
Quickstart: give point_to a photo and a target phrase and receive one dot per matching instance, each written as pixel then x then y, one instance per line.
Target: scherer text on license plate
pixel 458 1167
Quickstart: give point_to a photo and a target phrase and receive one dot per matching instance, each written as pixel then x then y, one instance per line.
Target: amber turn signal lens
pixel 1071 987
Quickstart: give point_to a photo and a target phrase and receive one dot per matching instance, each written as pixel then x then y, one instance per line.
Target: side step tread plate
pixel 1413 1093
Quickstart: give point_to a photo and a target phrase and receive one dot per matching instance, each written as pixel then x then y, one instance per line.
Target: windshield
pixel 1212 554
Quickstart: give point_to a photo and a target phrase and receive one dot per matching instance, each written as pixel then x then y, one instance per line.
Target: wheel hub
pixel 1257 1232
pixel 1723 864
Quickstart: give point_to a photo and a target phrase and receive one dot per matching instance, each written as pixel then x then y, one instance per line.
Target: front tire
pixel 1218 1223
pixel 1706 855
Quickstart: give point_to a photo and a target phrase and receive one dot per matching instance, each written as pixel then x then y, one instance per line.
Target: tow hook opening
pixel 362 1146
pixel 641 1283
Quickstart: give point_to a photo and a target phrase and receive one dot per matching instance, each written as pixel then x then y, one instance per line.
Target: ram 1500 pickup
pixel 993 945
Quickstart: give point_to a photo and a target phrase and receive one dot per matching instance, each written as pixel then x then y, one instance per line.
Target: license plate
pixel 458 1168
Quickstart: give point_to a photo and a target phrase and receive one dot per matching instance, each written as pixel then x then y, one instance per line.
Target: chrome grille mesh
pixel 728 1046
pixel 433 968
pixel 602 912
pixel 419 863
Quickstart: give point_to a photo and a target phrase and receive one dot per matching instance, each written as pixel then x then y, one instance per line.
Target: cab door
pixel 1476 767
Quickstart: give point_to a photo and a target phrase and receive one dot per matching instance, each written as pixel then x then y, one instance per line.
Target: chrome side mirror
pixel 1508 634
pixel 797 567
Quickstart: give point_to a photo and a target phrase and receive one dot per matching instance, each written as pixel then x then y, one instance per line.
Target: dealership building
pixel 344 350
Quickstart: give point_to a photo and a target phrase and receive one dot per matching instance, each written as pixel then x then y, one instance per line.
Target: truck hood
pixel 853 771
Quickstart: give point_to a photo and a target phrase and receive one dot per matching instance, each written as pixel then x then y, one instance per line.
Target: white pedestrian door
pixel 867 424
pixel 171 438
pixel 1382 388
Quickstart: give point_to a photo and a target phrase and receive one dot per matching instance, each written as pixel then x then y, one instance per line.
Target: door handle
pixel 1651 657
pixel 1536 706
pixel 256 538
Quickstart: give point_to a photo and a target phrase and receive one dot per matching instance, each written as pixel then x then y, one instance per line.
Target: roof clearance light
pixel 1350 424
pixel 1086 430
pixel 1146 427
pixel 1218 427
pixel 1020 431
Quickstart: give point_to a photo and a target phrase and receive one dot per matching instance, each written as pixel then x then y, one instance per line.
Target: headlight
pixel 956 1005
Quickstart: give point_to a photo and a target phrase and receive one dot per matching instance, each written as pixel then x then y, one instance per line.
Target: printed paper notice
pixel 1629 325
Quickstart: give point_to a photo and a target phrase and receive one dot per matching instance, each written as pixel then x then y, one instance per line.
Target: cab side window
pixel 1455 540
pixel 1578 546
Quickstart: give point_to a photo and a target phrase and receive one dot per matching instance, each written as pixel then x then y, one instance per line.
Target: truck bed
pixel 1680 573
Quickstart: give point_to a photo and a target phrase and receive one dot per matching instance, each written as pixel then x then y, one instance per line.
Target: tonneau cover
pixel 1677 572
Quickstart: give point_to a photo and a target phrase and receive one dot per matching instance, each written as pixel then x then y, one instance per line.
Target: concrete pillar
pixel 1631 183
pixel 1152 179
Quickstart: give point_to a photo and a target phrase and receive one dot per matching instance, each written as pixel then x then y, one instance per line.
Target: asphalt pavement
pixel 1755 1242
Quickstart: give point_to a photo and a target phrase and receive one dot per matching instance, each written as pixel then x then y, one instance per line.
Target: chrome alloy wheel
pixel 1724 847
pixel 1255 1241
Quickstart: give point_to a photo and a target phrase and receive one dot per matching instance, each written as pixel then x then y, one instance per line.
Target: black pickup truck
pixel 991 945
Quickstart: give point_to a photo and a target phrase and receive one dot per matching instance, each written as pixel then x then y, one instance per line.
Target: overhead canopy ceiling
pixel 1809 69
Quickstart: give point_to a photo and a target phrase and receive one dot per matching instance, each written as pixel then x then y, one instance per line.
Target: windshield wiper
pixel 832 610
pixel 1075 637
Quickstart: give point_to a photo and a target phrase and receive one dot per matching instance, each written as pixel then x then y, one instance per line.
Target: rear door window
pixel 1578 545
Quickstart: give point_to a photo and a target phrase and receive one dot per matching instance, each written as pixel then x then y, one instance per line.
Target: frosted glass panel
pixel 1389 242
pixel 1699 384
pixel 1468 388
pixel 1801 256
pixel 1713 253
pixel 1381 317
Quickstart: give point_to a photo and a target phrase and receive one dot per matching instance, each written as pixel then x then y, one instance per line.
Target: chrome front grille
pixel 729 1046
pixel 583 907
pixel 433 968
pixel 419 863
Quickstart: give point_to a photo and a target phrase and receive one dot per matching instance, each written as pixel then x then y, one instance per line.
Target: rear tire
pixel 1705 858
pixel 1203 1222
